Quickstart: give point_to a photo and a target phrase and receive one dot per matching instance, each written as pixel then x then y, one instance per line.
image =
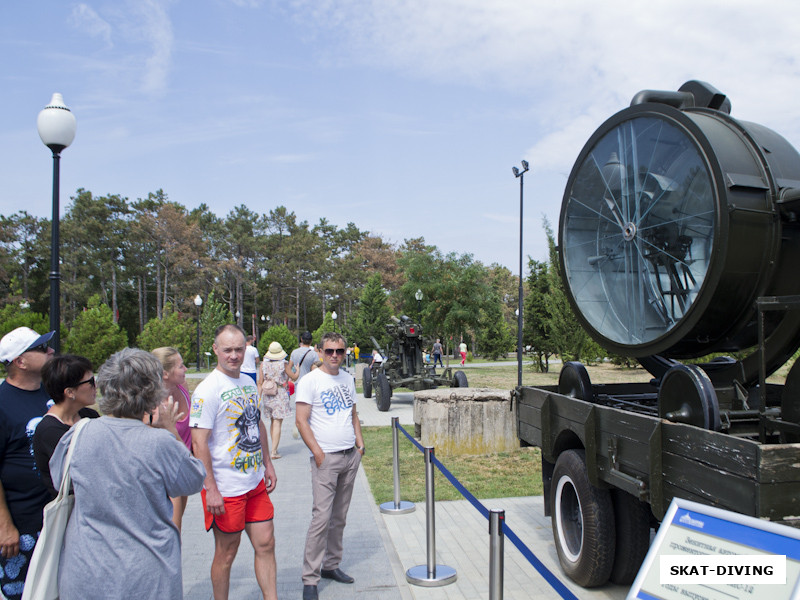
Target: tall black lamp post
pixel 198 302
pixel 56 125
pixel 521 176
pixel 334 316
pixel 418 296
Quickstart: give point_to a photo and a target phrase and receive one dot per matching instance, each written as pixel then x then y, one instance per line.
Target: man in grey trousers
pixel 329 425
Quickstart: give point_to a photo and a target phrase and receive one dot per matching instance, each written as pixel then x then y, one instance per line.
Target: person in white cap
pixel 23 403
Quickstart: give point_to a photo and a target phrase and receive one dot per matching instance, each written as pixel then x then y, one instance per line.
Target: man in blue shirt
pixel 23 403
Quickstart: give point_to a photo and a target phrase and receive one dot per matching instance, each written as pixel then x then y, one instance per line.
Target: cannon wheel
pixel 367 383
pixel 583 522
pixel 460 379
pixel 383 392
pixel 632 522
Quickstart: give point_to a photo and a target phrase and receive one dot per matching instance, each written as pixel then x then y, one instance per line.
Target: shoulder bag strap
pixel 304 357
pixel 66 480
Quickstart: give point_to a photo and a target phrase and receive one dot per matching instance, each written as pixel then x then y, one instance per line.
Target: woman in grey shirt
pixel 121 541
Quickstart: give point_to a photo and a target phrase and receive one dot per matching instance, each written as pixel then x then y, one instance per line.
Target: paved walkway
pixel 380 548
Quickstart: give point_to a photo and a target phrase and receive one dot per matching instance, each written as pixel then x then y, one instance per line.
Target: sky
pixel 404 117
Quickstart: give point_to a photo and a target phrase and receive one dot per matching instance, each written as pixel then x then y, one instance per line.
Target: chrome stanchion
pixel 431 574
pixel 397 507
pixel 496 537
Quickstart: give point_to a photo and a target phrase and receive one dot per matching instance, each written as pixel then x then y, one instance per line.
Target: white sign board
pixel 706 553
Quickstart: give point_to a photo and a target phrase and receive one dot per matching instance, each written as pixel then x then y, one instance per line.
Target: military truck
pixel 404 366
pixel 678 239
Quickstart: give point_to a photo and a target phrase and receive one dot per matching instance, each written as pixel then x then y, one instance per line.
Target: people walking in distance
pixel 250 362
pixel 230 438
pixel 329 425
pixel 273 379
pixel 437 352
pixel 462 348
pixel 23 495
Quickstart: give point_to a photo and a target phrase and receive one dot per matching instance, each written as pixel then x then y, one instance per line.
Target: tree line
pixel 148 259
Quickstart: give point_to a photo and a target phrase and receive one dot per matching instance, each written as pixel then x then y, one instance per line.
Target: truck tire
pixel 632 524
pixel 367 383
pixel 583 522
pixel 383 392
pixel 460 379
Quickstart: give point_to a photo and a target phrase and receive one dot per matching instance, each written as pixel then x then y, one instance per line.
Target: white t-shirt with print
pixel 332 398
pixel 230 408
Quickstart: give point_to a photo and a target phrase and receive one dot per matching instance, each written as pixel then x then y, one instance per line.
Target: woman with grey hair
pixel 121 541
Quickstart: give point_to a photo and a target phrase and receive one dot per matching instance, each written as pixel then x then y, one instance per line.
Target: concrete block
pixel 466 420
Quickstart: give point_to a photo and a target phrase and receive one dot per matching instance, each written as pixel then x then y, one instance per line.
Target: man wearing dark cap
pixel 23 403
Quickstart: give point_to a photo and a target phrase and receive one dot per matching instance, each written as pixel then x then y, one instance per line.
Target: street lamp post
pixel 418 296
pixel 521 176
pixel 56 125
pixel 198 302
pixel 334 316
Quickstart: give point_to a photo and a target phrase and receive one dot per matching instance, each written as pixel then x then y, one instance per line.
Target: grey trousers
pixel 331 487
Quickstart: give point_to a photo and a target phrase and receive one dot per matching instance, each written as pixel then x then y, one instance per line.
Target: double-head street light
pixel 56 125
pixel 521 176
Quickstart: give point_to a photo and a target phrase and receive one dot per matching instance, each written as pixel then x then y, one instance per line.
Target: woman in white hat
pixel 272 383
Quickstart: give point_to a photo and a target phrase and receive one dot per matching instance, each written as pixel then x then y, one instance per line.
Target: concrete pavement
pixel 380 548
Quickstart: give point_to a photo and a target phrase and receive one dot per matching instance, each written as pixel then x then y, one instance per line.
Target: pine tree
pixel 94 333
pixel 372 316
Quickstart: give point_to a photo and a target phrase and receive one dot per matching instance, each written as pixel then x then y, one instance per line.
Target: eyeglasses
pixel 330 351
pixel 90 381
pixel 39 348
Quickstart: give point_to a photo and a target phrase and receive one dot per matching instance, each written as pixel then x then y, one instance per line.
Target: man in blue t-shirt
pixel 23 403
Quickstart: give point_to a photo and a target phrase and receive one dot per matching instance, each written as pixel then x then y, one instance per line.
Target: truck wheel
pixel 460 379
pixel 383 392
pixel 632 523
pixel 583 522
pixel 367 383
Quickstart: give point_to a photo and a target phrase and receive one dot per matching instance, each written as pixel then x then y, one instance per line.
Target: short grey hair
pixel 131 383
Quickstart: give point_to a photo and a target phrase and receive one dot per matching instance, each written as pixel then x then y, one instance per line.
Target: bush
pixel 174 329
pixel 94 333
pixel 12 316
pixel 278 333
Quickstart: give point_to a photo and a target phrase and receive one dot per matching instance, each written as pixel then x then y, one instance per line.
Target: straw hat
pixel 275 351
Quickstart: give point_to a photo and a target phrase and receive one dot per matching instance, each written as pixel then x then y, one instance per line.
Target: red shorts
pixel 252 507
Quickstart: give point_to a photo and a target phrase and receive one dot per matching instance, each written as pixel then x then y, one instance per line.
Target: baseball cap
pixel 20 340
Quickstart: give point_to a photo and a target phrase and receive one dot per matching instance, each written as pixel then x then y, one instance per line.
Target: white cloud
pixel 157 31
pixel 85 18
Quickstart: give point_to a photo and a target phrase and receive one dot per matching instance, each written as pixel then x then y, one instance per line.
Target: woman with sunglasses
pixel 69 381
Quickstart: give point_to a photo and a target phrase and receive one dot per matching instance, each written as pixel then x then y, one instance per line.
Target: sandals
pixel 274 456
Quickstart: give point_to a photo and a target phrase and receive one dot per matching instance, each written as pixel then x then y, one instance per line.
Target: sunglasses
pixel 90 381
pixel 39 348
pixel 331 351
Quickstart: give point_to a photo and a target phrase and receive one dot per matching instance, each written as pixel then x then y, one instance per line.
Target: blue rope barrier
pixel 554 582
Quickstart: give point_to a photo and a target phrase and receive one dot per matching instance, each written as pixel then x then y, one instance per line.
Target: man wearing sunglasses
pixel 23 403
pixel 329 425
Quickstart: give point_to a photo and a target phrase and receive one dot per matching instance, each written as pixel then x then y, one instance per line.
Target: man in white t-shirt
pixel 230 439
pixel 329 425
pixel 250 362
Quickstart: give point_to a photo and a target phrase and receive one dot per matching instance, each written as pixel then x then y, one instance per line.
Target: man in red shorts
pixel 231 440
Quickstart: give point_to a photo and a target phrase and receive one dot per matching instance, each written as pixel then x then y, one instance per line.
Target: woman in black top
pixel 69 380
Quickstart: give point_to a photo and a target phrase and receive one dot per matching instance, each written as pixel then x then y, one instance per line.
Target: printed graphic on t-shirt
pixel 197 407
pixel 335 399
pixel 244 415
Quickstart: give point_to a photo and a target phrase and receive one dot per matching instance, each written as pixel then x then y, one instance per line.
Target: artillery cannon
pixel 404 366
pixel 679 237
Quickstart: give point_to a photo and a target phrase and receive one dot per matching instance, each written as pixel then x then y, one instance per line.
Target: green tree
pixel 495 337
pixel 215 314
pixel 326 326
pixel 537 318
pixel 372 315
pixel 13 316
pixel 94 333
pixel 173 329
pixel 281 334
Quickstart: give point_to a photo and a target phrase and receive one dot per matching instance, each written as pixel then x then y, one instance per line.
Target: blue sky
pixel 402 116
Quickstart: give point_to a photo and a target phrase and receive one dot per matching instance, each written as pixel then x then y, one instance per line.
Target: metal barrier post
pixel 430 575
pixel 398 507
pixel 496 519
